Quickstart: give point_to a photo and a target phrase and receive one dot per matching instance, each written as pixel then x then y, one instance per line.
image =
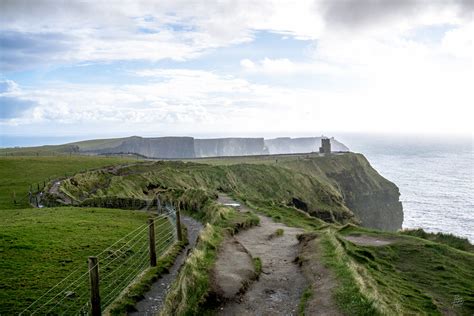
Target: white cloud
pixel 394 81
pixel 247 64
pixel 146 30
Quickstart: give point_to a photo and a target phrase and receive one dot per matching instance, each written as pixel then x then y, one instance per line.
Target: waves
pixel 436 185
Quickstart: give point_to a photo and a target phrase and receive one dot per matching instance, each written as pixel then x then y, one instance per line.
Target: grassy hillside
pixel 62 150
pixel 410 275
pixel 18 173
pixel 406 276
pixel 99 143
pixel 39 247
pixel 258 183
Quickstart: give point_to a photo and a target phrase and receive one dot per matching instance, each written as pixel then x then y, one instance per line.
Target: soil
pixel 364 240
pixel 281 284
pixel 154 299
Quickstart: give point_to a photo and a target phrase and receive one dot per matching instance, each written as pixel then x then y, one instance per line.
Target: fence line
pixel 118 265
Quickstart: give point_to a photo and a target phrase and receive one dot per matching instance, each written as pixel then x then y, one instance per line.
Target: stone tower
pixel 325 146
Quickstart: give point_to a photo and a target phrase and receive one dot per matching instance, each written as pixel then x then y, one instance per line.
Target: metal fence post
pixel 151 241
pixel 94 283
pixel 178 225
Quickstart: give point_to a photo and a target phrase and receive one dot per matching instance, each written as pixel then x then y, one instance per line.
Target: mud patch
pixel 233 271
pixel 364 240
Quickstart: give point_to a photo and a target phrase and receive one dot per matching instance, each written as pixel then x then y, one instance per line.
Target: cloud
pixel 11 108
pixel 41 32
pixel 247 64
pixel 21 50
pixel 7 86
pixel 359 14
pixel 284 66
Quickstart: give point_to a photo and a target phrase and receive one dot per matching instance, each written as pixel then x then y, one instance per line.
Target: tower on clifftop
pixel 325 146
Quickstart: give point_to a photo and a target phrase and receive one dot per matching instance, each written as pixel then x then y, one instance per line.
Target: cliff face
pixel 229 147
pixel 188 147
pixel 161 147
pixel 287 145
pixel 371 197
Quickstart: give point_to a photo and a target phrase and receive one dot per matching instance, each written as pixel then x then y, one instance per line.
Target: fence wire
pixel 119 264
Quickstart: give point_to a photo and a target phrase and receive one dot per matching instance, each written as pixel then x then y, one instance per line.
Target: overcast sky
pixel 220 68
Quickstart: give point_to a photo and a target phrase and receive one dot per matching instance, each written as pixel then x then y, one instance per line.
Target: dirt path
pixel 279 288
pixel 153 299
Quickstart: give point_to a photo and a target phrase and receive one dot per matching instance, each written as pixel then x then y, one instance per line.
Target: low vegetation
pixel 17 174
pixel 39 247
pixel 307 294
pixel 191 292
pixel 126 303
pixel 257 263
pixel 447 239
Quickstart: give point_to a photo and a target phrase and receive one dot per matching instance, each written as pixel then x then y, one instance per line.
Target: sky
pixel 235 68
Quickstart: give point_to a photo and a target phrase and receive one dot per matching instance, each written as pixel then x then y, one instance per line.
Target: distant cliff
pixel 287 145
pixel 183 147
pixel 229 147
pixel 161 147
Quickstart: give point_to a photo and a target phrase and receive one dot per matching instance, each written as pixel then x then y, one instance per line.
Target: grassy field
pixel 39 247
pixel 18 173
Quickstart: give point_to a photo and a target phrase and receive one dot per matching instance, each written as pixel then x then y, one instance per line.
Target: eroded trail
pixel 281 283
pixel 154 298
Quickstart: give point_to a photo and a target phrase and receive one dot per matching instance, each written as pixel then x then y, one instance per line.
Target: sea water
pixel 435 177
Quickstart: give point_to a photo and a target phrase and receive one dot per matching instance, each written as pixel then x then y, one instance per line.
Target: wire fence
pixel 118 266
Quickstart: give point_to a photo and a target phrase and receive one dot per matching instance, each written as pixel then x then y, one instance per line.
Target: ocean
pixel 435 178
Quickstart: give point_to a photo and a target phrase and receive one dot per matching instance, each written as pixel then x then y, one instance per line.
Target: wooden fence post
pixel 94 286
pixel 14 197
pixel 178 225
pixel 151 241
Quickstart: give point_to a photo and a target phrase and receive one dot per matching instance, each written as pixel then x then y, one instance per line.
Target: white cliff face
pixel 287 145
pixel 229 147
pixel 188 147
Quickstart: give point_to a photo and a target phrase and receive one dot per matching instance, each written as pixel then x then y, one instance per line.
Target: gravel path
pixel 154 298
pixel 279 288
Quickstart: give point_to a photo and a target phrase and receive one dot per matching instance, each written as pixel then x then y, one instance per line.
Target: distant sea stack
pixel 189 147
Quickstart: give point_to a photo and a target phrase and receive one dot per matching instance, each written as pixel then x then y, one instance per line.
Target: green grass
pixel 190 293
pixel 257 264
pixel 39 247
pixel 414 276
pixel 288 215
pixel 348 295
pixel 447 239
pixel 126 303
pixel 259 183
pixel 305 297
pixel 18 173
